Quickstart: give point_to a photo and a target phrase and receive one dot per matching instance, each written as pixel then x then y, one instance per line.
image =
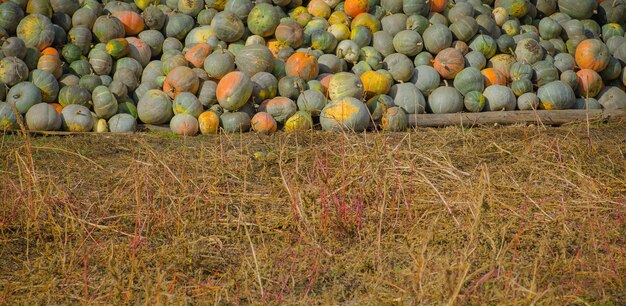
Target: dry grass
pixel 513 215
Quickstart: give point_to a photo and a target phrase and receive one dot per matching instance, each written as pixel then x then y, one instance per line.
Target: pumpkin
pixel 587 103
pixel 323 41
pixel 519 71
pixel 76 118
pixel 394 23
pixel 154 18
pixel 191 7
pixel 426 79
pixel 544 72
pixel 264 86
pixel 154 107
pixel 383 43
pixel 493 77
pixel 280 108
pixel 228 27
pixel 319 8
pixel 528 51
pixel 36 31
pixel 589 83
pixel 184 124
pixel 10 16
pixel 348 50
pixel 474 101
pixel 570 78
pixel 611 97
pixel 592 54
pixel 290 33
pixel 437 37
pixel 377 106
pixel 347 113
pixel 465 28
pixel 81 37
pixel 172 62
pixel 132 22
pixel 409 97
pixel 264 123
pixel 291 86
pixel 469 79
pixel 445 100
pixel 104 103
pixel 127 77
pixel 181 79
pixel 522 86
pixel 399 66
pixel 234 90
pixel 330 63
pixel 139 50
pixel 187 103
pixel 499 98
pixel 312 101
pixel 219 63
pixel 578 9
pixel 14 46
pixel 410 7
pixel 208 123
pixel 263 20
pixel 528 101
pixel 253 59
pixel 375 83
pixel 408 42
pixel 556 95
pixel 24 95
pixel 178 26
pixel 8 120
pixel 108 27
pixel 448 63
pixel 47 84
pixel 43 117
pixel 475 59
pixel 90 82
pixel 299 121
pixel 394 120
pixel 74 94
pixel 155 41
pixel 236 122
pixel 122 123
pixel 197 54
pixel 345 84
pixel 353 8
pixel 361 35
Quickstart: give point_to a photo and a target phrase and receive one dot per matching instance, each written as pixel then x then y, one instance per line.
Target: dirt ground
pixel 513 215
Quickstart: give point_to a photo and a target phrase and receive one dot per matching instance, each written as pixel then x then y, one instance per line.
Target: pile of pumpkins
pixel 204 66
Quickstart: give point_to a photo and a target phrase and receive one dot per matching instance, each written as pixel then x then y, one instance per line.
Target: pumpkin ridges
pixel 303 65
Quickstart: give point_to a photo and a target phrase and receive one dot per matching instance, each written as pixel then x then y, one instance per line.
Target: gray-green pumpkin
pixel 469 79
pixel 76 118
pixel 155 107
pixel 104 103
pixel 444 100
pixel 409 97
pixel 24 95
pixel 43 117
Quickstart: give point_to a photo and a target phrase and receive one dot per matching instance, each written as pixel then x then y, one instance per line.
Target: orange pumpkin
pixel 50 51
pixel 303 65
pixel 355 7
pixel 438 6
pixel 589 83
pixel 493 77
pixel 263 123
pixel 49 63
pixel 234 90
pixel 449 62
pixel 198 53
pixel 133 22
pixel 592 54
pixel 181 79
pixel 209 123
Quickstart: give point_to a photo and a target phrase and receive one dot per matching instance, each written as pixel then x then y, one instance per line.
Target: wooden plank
pixel 545 117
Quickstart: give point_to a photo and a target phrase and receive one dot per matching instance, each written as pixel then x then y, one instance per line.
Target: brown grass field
pixel 515 215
